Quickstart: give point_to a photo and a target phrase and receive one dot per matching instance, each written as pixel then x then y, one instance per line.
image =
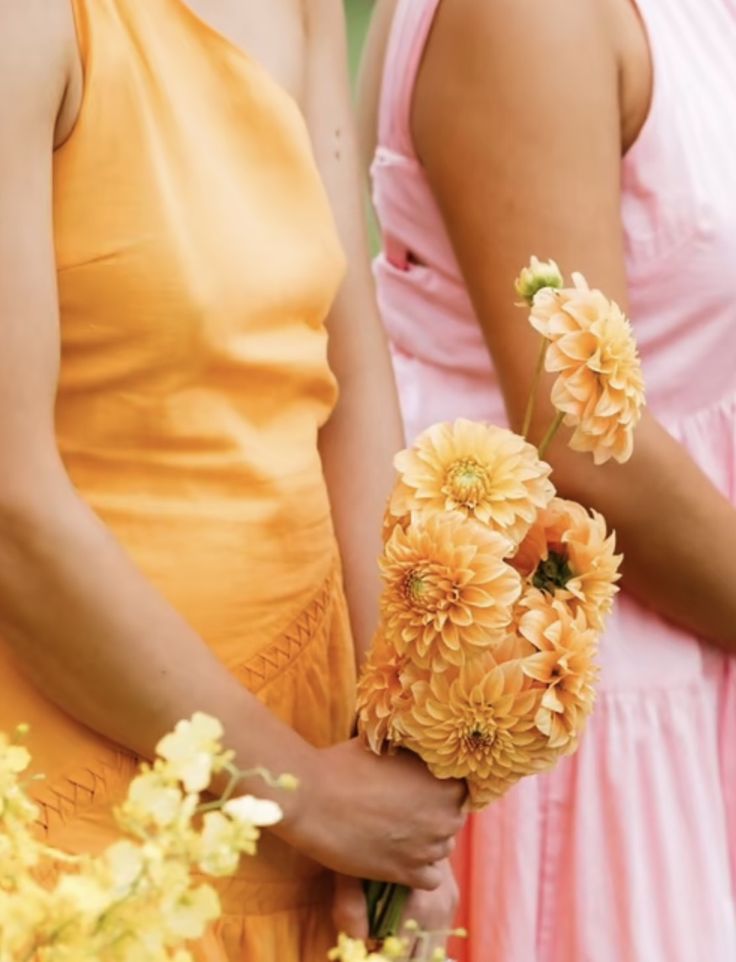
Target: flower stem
pixel 237 775
pixel 386 904
pixel 217 804
pixel 535 385
pixel 549 436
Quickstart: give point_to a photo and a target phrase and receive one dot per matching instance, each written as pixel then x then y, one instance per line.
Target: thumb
pixel 349 908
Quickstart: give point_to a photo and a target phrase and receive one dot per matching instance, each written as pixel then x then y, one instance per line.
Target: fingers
pixel 436 911
pixel 443 850
pixel 421 859
pixel 349 910
pixel 448 826
pixel 456 794
pixel 453 789
pixel 427 879
pixel 461 793
pixel 413 873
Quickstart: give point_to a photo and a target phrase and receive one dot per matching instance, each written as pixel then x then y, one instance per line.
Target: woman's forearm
pixel 677 531
pixel 508 200
pixel 99 640
pixel 357 448
pixel 364 433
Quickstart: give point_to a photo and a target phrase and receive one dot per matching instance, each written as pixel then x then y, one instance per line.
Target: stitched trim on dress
pixel 60 802
pixel 259 670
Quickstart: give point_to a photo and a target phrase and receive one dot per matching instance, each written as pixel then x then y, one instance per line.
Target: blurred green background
pixel 358 16
pixel 358 13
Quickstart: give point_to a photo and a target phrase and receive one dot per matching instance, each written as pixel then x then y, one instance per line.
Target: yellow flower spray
pixel 411 944
pixel 137 901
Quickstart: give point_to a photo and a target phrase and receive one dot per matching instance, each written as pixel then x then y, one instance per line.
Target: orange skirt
pixel 277 908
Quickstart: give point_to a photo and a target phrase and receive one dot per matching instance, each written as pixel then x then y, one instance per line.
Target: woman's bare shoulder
pixel 526 34
pixel 511 63
pixel 569 53
pixel 39 63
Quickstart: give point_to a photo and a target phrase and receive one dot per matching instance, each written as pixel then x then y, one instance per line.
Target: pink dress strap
pixel 411 27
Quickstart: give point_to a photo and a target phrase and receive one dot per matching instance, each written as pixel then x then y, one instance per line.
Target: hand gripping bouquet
pixel 496 590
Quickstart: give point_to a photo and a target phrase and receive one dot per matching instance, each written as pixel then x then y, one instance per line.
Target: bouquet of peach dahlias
pixel 496 590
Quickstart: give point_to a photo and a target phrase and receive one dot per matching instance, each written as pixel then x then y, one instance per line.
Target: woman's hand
pixel 376 817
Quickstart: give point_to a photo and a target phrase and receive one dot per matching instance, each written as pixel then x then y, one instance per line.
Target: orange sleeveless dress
pixel 197 259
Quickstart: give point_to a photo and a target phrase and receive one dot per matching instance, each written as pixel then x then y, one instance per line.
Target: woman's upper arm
pixel 34 59
pixel 356 335
pixel 516 118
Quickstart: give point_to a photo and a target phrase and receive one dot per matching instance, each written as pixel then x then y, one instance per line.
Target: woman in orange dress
pixel 176 473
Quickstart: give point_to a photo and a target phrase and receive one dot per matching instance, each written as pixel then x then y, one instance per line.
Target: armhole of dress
pixel 659 80
pixel 408 37
pixel 80 21
pixel 80 16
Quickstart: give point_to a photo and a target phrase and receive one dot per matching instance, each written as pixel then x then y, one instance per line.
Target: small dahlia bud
pixel 536 277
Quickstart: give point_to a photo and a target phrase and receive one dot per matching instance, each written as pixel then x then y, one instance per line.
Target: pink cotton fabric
pixel 626 852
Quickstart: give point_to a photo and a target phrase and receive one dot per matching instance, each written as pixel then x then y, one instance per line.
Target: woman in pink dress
pixel 601 134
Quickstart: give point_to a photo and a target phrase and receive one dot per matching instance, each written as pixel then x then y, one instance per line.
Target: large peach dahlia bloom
pixel 565 664
pixel 478 722
pixel 485 472
pixel 383 692
pixel 568 555
pixel 600 386
pixel 448 593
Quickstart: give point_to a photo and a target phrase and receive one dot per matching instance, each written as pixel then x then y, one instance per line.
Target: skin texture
pixel 89 646
pixel 551 101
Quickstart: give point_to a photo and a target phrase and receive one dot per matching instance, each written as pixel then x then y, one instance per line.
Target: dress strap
pixel 81 23
pixel 410 30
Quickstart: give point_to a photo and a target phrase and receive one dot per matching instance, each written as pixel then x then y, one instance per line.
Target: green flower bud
pixel 536 277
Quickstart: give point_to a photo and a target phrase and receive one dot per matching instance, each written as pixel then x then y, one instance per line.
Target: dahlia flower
pixel 485 472
pixel 383 690
pixel 564 663
pixel 448 593
pixel 478 722
pixel 600 386
pixel 568 555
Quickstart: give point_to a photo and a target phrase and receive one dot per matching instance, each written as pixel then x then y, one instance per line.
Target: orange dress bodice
pixel 197 260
